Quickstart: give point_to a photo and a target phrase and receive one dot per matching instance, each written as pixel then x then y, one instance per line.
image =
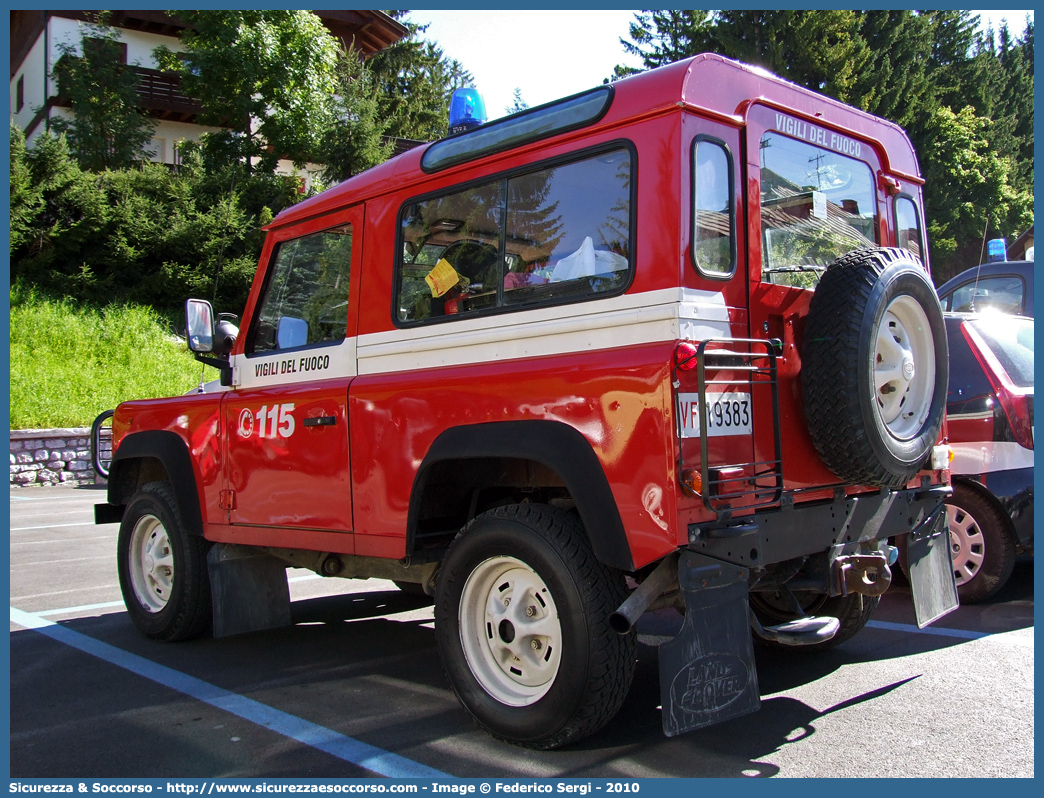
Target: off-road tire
pixel 596 664
pixel 841 363
pixel 185 612
pixel 850 612
pixel 983 525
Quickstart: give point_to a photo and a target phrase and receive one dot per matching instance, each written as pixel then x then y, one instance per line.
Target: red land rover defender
pixel 668 341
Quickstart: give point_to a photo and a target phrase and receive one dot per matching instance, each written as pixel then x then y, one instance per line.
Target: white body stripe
pixel 293 367
pixel 982 457
pixel 627 320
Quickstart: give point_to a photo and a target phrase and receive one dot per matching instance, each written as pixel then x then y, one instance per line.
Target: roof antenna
pixel 978 269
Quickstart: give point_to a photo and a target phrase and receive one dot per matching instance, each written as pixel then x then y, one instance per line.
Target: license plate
pixel 727 414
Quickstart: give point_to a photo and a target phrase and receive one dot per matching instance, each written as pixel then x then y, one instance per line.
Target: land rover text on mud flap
pixel 670 341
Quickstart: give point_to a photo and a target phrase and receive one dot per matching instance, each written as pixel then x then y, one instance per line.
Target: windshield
pixel 1011 340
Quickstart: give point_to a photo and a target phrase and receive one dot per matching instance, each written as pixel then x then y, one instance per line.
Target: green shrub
pixel 70 362
pixel 147 235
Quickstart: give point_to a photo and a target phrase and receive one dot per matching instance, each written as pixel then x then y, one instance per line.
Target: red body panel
pixel 621 408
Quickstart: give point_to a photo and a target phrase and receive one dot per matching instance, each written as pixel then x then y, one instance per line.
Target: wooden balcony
pixel 159 93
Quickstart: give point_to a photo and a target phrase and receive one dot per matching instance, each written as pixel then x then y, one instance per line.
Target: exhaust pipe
pixel 628 613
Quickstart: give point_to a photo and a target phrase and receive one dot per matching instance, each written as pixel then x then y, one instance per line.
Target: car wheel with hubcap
pixel 983 552
pixel 162 568
pixel 522 622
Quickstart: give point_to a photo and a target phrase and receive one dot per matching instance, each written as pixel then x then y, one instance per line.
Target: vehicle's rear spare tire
pixel 875 367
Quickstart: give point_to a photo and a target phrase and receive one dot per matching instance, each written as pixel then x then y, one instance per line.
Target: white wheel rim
pixel 967 544
pixel 510 631
pixel 151 563
pixel 904 368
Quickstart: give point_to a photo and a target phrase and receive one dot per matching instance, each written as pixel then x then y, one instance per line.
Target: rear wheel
pixel 852 611
pixel 162 568
pixel 522 621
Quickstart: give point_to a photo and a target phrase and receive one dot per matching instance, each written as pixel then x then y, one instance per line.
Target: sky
pixel 552 54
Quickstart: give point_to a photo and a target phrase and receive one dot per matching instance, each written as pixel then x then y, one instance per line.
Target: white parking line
pixel 59 540
pixel 376 760
pixel 91 499
pixel 960 634
pixel 50 526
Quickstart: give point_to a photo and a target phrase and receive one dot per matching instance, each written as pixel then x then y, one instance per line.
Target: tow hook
pixel 867 574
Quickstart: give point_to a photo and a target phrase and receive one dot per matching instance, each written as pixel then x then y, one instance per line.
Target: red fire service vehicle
pixel 670 341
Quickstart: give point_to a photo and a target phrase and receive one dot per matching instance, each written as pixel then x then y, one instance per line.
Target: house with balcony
pixel 36 98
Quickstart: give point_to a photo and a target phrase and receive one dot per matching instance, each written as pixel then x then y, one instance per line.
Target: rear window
pixel 816 205
pixel 1011 340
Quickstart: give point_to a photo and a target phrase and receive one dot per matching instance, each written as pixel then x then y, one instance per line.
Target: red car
pixel 990 411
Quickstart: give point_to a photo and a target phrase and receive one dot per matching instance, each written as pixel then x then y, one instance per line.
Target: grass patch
pixel 71 362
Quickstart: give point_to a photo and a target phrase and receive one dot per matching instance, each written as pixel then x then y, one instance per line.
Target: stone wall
pixel 55 456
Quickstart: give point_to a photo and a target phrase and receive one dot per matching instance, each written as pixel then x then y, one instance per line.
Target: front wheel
pixel 522 622
pixel 162 568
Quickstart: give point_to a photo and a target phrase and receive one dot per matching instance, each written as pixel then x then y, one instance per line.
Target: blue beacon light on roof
pixel 467 110
pixel 996 250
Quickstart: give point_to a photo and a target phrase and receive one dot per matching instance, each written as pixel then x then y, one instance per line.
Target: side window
pixel 305 299
pixel 1005 293
pixel 908 226
pixel 816 205
pixel 568 230
pixel 713 218
pixel 550 235
pixel 450 249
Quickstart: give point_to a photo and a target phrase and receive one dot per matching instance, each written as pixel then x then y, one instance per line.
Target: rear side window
pixel 557 234
pixel 908 226
pixel 816 205
pixel 305 301
pixel 713 217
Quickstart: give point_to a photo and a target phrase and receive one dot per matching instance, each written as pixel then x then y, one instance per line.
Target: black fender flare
pixel 173 454
pixel 557 446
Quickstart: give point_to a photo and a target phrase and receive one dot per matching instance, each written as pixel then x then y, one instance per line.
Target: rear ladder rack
pixel 757 359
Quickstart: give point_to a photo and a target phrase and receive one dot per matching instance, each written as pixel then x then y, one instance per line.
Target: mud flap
pixel 707 672
pixel 249 590
pixel 930 565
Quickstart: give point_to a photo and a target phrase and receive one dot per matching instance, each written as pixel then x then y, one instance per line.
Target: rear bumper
pixel 801 530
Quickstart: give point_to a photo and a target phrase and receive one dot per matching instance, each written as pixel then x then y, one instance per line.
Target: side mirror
pixel 291 332
pixel 199 325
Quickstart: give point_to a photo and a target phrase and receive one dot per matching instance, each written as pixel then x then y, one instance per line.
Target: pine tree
pixel 414 81
pixel 894 82
pixel 355 141
pixel 107 128
pixel 663 37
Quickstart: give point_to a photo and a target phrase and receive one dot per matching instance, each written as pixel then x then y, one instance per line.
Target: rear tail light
pixel 1016 402
pixel 685 356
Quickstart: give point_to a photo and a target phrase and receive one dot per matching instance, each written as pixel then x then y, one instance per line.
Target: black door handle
pixel 321 421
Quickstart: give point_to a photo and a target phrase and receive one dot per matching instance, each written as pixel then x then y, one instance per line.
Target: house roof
pixel 369 31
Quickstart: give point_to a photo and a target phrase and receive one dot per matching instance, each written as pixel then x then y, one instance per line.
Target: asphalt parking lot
pixel 354 687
